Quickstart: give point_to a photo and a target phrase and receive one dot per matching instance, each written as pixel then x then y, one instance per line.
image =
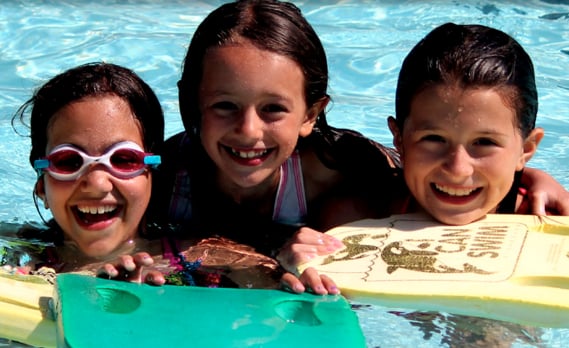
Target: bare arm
pixel 544 194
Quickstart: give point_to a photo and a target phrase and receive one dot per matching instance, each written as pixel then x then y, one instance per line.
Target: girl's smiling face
pixel 253 110
pixel 460 149
pixel 100 213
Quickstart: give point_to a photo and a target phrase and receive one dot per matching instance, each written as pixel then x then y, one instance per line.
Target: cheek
pixel 57 191
pixel 411 159
pixel 211 123
pixel 414 177
pixel 138 190
pixel 507 175
pixel 285 133
pixel 206 123
pixel 500 167
pixel 211 131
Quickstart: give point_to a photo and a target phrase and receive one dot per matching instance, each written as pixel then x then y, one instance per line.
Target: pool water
pixel 365 41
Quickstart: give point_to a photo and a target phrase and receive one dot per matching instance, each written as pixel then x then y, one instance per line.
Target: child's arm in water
pixel 544 194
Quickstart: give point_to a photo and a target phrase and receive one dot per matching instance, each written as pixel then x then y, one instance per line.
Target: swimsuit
pixel 290 202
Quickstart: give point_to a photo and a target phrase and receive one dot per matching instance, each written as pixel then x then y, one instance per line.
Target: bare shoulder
pixel 318 178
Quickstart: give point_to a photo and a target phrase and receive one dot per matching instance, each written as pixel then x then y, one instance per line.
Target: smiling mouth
pixel 94 214
pixel 455 192
pixel 251 154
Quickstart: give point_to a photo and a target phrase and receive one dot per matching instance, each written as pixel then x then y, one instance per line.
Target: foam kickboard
pixel 505 267
pixel 94 312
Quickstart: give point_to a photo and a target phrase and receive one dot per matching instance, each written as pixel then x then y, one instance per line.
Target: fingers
pixel 154 277
pixel 319 284
pixel 310 281
pixel 108 270
pixel 291 283
pixel 142 259
pixel 306 245
pixel 329 285
pixel 129 268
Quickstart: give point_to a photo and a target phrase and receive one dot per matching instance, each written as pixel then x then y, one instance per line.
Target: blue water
pixel 365 41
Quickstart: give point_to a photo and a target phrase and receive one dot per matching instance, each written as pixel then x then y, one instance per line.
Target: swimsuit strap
pixel 290 202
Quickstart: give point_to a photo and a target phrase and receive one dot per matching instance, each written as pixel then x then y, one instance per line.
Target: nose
pixel 96 180
pixel 250 124
pixel 458 162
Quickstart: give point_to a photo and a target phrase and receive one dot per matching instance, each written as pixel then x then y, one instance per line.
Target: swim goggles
pixel 124 160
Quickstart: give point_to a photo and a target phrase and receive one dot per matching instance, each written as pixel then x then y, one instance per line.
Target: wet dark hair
pixel 471 56
pixel 92 80
pixel 271 25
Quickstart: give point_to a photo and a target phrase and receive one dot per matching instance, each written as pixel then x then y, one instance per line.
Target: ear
pixel 39 191
pixel 530 147
pixel 311 116
pixel 396 132
pixel 39 188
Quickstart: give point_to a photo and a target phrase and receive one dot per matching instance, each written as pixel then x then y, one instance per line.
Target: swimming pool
pixel 365 42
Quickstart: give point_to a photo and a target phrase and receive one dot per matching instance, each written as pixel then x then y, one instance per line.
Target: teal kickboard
pixel 95 312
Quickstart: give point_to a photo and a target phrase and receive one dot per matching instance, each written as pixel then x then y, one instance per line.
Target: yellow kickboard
pixel 504 267
pixel 25 314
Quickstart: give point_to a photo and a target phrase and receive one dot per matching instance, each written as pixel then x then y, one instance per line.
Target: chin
pixel 456 219
pixel 98 254
pixel 99 251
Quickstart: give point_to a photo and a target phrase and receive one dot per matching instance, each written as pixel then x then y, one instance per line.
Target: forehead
pixel 246 64
pixel 94 123
pixel 452 103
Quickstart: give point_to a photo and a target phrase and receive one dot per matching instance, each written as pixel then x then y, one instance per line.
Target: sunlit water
pixel 365 41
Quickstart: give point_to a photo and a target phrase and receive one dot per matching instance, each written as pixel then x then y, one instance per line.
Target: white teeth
pixel 455 192
pixel 96 210
pixel 249 154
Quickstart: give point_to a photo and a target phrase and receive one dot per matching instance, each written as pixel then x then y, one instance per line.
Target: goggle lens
pixel 65 161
